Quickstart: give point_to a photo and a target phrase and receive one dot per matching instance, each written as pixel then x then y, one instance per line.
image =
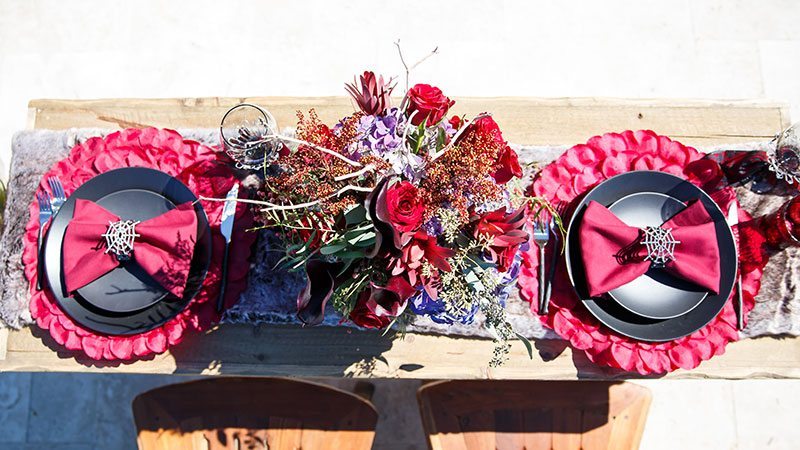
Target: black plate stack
pixel 655 307
pixel 126 300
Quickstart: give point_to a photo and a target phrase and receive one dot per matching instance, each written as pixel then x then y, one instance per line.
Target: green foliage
pixel 351 245
pixel 345 297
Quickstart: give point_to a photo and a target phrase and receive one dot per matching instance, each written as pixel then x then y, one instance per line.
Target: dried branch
pixel 275 207
pixel 366 169
pixel 413 66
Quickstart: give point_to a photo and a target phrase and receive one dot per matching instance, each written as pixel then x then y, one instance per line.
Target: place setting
pixel 127 251
pixel 657 264
pixel 651 255
pixel 126 255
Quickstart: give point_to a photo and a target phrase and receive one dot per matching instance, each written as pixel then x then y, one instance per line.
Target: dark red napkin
pixel 164 248
pixel 613 256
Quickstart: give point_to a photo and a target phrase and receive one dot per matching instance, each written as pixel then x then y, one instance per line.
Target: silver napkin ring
pixel 660 245
pixel 120 237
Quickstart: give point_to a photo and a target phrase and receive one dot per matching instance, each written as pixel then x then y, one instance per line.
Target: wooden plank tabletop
pixel 533 121
pixel 326 351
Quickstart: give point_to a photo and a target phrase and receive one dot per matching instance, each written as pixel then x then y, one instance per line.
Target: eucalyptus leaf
pixel 350 254
pixel 355 215
pixel 333 248
pixel 420 136
pixel 527 344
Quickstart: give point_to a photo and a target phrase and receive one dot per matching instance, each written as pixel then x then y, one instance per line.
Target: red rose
pixel 377 306
pixel 456 122
pixel 507 166
pixel 404 207
pixel 429 103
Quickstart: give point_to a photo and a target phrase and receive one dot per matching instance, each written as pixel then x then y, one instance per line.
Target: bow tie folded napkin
pixel 613 253
pixel 162 246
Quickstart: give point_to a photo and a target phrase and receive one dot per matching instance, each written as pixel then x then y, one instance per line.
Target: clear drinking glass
pixel 247 136
pixel 785 159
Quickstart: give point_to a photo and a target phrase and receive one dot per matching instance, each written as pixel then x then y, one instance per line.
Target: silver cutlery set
pixel 49 204
pixel 546 230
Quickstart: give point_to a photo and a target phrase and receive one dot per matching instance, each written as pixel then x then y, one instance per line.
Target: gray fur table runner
pixel 270 296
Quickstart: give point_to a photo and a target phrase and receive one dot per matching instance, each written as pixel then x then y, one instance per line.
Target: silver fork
pixel 45 213
pixel 59 197
pixel 561 210
pixel 541 235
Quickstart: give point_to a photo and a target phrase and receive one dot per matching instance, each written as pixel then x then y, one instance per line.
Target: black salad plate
pixel 655 307
pixel 126 300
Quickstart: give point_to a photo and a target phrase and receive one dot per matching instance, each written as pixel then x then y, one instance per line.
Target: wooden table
pixel 342 352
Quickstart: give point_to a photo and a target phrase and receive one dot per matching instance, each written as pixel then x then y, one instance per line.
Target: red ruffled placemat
pixel 196 166
pixel 579 169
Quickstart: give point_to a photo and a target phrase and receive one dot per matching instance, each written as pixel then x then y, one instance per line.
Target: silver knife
pixel 226 228
pixel 733 219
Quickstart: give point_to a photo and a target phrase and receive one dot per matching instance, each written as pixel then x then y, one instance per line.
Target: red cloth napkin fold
pixel 164 248
pixel 613 256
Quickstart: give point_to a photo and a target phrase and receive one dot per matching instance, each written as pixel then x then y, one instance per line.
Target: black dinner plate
pixel 126 300
pixel 660 196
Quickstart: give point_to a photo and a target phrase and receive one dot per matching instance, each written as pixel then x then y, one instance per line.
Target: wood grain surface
pixel 344 352
pixel 533 121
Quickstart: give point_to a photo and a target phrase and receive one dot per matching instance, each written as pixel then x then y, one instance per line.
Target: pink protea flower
pixel 371 93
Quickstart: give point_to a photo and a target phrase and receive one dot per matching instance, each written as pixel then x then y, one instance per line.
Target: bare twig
pixel 275 207
pixel 413 66
pixel 407 127
pixel 268 137
pixel 366 169
pixel 316 147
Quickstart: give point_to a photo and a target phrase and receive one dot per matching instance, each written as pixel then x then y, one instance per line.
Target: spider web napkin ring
pixel 120 237
pixel 659 244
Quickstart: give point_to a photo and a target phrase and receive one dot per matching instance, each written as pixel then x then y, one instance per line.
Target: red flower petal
pixel 121 348
pixel 157 341
pixel 93 347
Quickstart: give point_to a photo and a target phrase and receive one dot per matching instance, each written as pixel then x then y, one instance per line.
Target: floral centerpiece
pixel 396 211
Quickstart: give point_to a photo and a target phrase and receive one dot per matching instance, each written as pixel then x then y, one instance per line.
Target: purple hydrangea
pixel 433 227
pixel 379 133
pixel 422 304
pixel 508 279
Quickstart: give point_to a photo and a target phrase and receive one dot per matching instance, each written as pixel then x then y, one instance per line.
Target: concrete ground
pixel 620 48
pixel 93 411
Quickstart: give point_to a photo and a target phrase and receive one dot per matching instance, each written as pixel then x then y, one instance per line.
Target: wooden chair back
pixel 560 415
pixel 252 413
